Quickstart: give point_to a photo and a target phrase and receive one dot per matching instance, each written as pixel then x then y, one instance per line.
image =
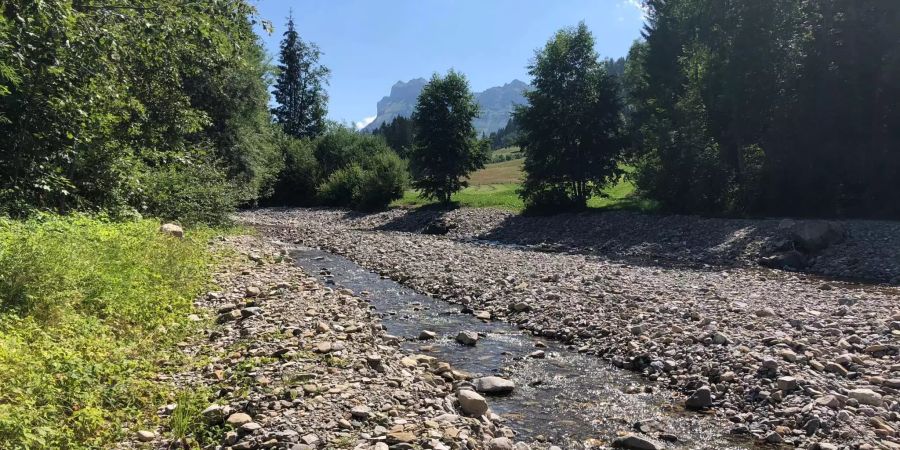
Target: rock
pixel 467 337
pixel 520 307
pixel 494 385
pixel 700 399
pixel 172 230
pixel 829 401
pixel 774 438
pixel 426 335
pixel 213 414
pixel 866 397
pixel 787 384
pixel 397 437
pixel 635 442
pixel 249 428
pixel 146 436
pixel 836 369
pixel 361 412
pixel 815 235
pixel 252 291
pixel 471 403
pixel 238 419
pixel 538 354
pixel 500 443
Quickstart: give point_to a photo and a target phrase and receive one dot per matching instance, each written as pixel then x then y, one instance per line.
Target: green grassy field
pixel 497 184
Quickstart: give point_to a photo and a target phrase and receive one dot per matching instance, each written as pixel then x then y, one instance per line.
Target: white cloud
pixel 639 4
pixel 365 122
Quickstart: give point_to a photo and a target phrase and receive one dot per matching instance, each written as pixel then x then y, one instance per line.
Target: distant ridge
pixel 496 104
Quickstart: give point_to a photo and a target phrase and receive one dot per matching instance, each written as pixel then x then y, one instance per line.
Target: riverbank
pixel 289 363
pixel 787 358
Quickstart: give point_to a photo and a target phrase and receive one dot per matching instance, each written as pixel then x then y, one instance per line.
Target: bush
pixel 371 186
pixel 300 176
pixel 189 194
pixel 342 187
pixel 384 179
pixel 88 309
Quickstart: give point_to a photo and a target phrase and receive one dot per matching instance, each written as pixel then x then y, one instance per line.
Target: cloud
pixel 639 4
pixel 364 123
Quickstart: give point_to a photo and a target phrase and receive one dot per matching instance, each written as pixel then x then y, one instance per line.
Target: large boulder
pixel 471 403
pixel 494 385
pixel 172 230
pixel 815 235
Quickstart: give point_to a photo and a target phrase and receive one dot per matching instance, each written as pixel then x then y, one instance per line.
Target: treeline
pixel 777 107
pixel 158 108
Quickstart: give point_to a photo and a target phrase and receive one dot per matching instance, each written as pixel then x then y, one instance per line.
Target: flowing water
pixel 565 397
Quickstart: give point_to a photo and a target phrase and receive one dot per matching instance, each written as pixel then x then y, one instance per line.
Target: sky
pixel 370 45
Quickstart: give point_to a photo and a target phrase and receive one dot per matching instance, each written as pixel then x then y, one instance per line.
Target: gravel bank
pixel 787 358
pixel 292 364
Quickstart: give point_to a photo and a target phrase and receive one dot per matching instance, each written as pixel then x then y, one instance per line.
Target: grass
pixel 497 185
pixel 89 311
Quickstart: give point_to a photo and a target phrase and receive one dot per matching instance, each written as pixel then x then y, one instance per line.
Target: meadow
pixel 497 185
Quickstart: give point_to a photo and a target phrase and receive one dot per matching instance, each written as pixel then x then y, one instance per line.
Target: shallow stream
pixel 566 397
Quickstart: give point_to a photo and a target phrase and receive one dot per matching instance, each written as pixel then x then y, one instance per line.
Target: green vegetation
pixel 101 99
pixel 571 130
pixel 300 87
pixel 88 310
pixel 446 147
pixel 768 107
pixel 497 186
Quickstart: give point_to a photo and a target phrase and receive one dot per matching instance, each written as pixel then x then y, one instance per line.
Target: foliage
pixel 300 87
pixel 368 185
pixel 571 130
pixel 341 168
pixel 768 107
pixel 297 183
pixel 95 96
pixel 88 309
pixel 189 193
pixel 506 136
pixel 399 135
pixel 446 145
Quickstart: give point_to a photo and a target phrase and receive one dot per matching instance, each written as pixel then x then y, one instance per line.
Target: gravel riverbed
pixel 788 358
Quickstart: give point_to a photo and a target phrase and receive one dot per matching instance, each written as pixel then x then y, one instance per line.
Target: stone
pixel 700 399
pixel 500 443
pixel 815 235
pixel 467 337
pixel 635 442
pixel 829 401
pixel 866 397
pixel 213 414
pixel 249 427
pixel 145 436
pixel 252 291
pixel 836 368
pixel 787 384
pixel 494 385
pixel 238 419
pixel 790 260
pixel 520 307
pixel 471 403
pixel 397 437
pixel 172 230
pixel 427 335
pixel 361 412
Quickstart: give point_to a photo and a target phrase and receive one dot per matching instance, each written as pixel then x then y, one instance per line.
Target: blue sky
pixel 370 45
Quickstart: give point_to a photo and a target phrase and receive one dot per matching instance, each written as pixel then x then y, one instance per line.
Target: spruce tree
pixel 300 86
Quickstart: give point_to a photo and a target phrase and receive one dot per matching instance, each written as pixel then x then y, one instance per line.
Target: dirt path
pixel 786 358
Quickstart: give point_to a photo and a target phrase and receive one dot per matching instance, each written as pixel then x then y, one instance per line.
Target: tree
pixel 447 148
pixel 399 134
pixel 571 128
pixel 300 86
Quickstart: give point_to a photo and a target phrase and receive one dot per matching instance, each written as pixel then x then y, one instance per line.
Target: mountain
pixel 496 104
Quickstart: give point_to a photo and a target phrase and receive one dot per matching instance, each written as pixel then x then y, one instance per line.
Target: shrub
pixel 384 179
pixel 342 187
pixel 88 309
pixel 188 193
pixel 301 174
